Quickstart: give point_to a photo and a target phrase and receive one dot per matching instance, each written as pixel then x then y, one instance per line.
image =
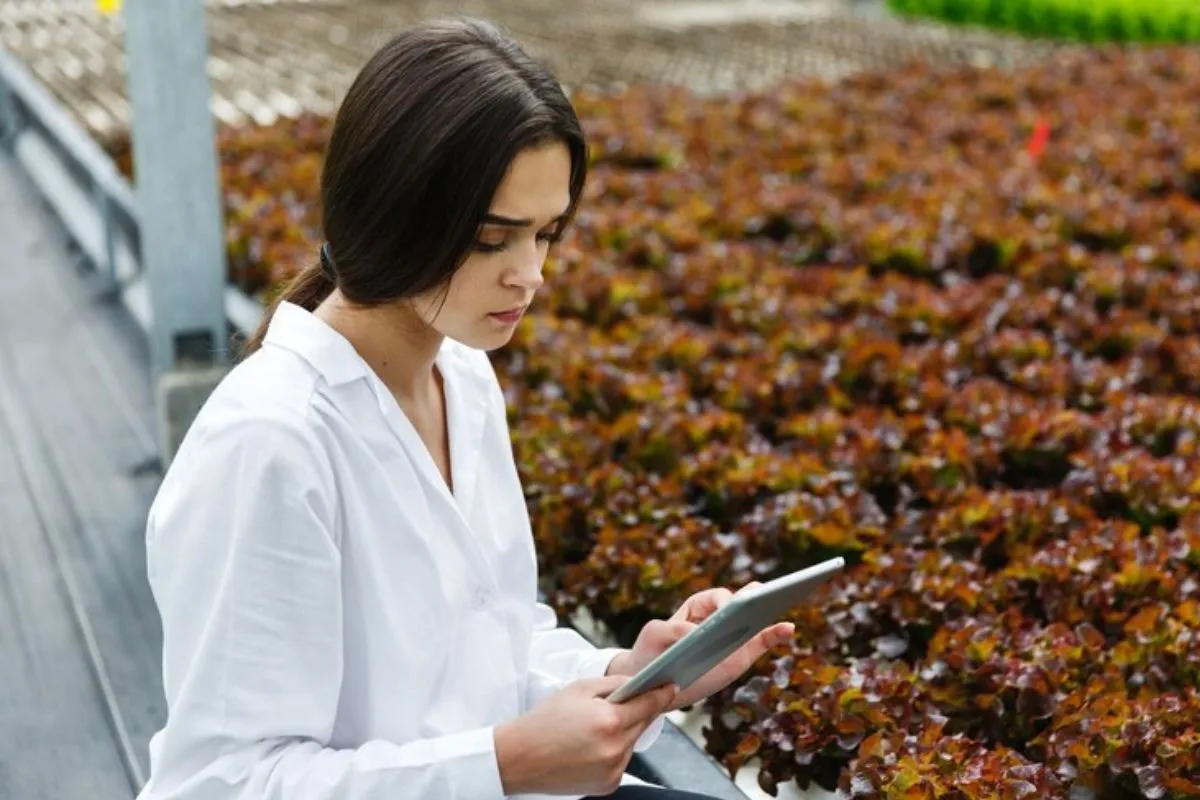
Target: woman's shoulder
pixel 271 380
pixel 254 464
pixel 264 405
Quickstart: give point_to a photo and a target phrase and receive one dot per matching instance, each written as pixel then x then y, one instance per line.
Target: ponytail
pixel 308 289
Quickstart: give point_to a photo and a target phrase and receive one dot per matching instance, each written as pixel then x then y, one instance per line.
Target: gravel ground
pixel 280 58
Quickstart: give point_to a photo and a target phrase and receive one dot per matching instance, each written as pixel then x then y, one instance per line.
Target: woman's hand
pixel 658 635
pixel 575 741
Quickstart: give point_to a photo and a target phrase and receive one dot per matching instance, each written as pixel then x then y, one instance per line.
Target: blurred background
pixel 272 59
pixel 912 282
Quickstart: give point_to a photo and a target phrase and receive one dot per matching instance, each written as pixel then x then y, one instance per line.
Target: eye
pixel 549 237
pixel 490 247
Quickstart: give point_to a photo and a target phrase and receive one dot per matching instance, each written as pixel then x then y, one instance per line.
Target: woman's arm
pixel 246 571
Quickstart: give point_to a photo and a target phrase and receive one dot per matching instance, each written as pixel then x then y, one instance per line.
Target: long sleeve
pixel 563 652
pixel 245 567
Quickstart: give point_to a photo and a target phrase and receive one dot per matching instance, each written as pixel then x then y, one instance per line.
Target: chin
pixel 486 342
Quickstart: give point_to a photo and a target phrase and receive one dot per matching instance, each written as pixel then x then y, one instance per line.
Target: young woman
pixel 340 551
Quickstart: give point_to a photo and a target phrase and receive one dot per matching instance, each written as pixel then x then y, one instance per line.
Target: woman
pixel 340 551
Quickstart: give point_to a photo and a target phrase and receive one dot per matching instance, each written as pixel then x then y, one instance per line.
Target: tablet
pixel 746 614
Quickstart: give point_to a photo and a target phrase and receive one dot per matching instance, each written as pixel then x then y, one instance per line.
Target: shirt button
pixel 481 598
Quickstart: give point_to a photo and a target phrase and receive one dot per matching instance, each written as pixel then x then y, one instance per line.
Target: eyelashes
pixel 486 247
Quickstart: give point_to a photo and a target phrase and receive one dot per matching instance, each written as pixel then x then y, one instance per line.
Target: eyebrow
pixel 513 222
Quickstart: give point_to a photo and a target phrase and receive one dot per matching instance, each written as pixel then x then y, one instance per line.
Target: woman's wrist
pixel 622 664
pixel 512 757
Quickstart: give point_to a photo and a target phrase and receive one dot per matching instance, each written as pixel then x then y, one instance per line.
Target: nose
pixel 525 272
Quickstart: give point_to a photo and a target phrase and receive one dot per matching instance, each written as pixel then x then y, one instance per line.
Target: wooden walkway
pixel 80 682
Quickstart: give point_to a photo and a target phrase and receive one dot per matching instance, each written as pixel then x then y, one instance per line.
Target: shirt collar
pixel 327 351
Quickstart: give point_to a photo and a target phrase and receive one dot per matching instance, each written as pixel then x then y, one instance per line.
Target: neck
pixel 392 339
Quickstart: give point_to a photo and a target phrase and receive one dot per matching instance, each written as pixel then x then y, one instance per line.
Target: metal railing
pixel 93 200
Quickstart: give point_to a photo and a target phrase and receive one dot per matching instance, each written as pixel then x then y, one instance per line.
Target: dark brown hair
pixel 418 149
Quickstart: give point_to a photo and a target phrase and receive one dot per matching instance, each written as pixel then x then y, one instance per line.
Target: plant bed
pixel 942 323
pixel 1074 20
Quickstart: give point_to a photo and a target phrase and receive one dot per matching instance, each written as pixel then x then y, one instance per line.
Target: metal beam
pixel 675 761
pixel 8 111
pixel 176 183
pixel 77 211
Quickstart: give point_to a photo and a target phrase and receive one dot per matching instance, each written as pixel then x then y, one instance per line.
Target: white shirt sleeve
pixel 564 652
pixel 245 568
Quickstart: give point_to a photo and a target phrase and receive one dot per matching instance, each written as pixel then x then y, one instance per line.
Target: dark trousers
pixel 650 793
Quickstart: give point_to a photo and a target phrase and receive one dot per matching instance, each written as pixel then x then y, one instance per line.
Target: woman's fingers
pixel 663 633
pixel 703 605
pixel 777 634
pixel 681 628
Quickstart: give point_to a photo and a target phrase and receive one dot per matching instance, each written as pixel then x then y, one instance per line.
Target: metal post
pixel 8 115
pixel 177 187
pixel 108 228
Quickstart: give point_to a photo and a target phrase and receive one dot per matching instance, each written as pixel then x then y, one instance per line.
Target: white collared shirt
pixel 338 624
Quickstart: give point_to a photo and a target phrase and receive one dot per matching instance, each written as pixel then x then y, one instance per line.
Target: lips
pixel 509 317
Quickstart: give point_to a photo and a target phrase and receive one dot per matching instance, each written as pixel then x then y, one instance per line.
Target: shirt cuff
pixel 476 769
pixel 650 735
pixel 594 665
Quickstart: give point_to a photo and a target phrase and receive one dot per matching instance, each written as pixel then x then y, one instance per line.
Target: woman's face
pixel 490 291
